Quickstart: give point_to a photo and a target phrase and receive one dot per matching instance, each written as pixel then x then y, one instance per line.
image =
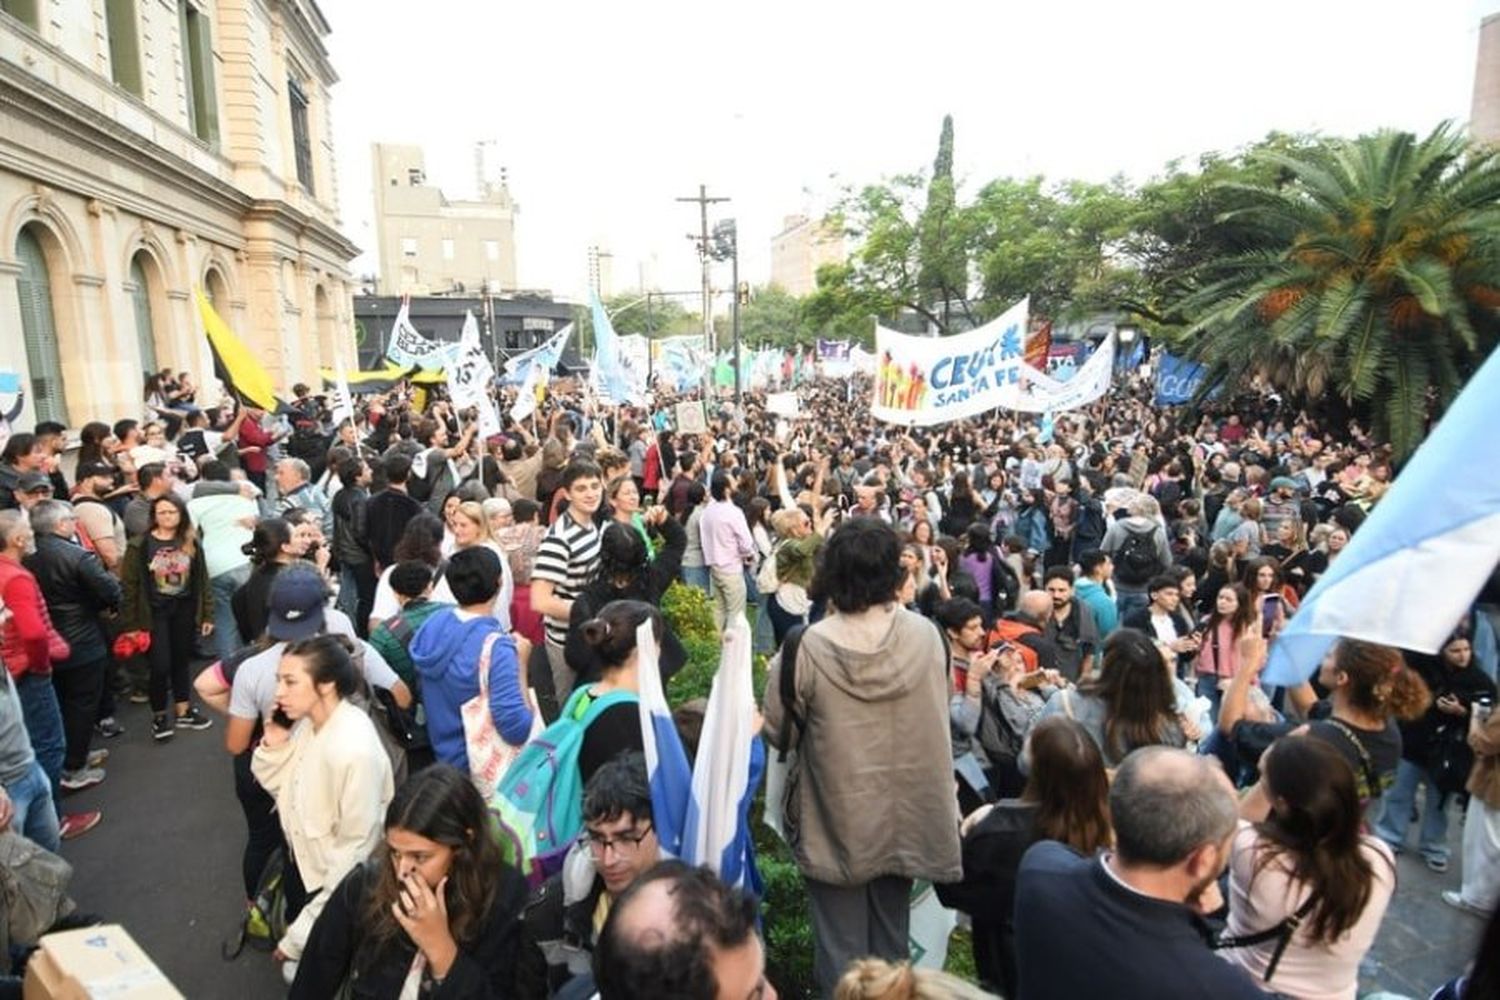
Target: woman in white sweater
pixel 322 761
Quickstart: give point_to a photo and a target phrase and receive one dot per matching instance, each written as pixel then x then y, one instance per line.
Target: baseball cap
pixel 88 470
pixel 297 597
pixel 32 482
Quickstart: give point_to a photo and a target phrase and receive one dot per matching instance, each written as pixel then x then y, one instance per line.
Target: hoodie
pixel 446 651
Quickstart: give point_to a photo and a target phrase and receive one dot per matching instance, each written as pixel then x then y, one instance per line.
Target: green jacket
pixel 135 613
pixel 393 643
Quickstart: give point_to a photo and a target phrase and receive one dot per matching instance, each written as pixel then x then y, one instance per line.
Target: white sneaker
pixel 1457 901
pixel 289 971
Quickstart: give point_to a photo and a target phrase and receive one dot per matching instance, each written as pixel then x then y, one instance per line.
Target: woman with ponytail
pixel 1307 889
pixel 1370 688
pixel 611 639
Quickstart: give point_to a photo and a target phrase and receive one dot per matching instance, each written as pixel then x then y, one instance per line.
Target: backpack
pixel 538 807
pixel 264 923
pixel 1136 561
pixel 766 580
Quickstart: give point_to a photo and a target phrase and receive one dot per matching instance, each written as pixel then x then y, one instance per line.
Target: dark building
pixel 507 326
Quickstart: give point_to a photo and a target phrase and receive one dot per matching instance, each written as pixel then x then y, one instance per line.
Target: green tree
pixel 1373 273
pixel 773 316
pixel 942 234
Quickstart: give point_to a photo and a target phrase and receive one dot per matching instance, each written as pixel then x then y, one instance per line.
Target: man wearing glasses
pixel 618 844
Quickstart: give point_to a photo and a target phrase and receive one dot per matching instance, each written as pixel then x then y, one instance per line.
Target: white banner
pixel 921 381
pixel 783 404
pixel 1088 384
pixel 410 349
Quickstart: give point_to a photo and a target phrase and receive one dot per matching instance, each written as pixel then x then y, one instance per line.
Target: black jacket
pixel 557 939
pixel 386 516
pixel 78 590
pixel 992 857
pixel 484 969
pixel 350 546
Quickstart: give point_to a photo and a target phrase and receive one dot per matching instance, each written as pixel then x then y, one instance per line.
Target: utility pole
pixel 706 258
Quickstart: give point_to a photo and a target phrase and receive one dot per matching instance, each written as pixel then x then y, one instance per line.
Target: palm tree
pixel 1375 275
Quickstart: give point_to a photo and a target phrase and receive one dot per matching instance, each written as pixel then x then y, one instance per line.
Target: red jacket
pixel 28 642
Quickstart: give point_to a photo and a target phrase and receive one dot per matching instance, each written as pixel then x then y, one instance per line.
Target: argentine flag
pixel 1413 568
pixel 666 761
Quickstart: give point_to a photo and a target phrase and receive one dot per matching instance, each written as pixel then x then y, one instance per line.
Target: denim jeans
pixel 36 809
pixel 227 636
pixel 1395 814
pixel 696 576
pixel 44 724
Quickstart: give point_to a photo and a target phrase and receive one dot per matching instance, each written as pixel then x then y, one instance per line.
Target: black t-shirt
pixel 614 731
pixel 1373 753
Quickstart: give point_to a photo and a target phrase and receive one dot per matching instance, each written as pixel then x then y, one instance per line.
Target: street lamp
pixel 726 247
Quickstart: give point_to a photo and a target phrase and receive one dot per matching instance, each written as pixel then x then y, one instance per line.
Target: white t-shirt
pixel 386 604
pixel 1165 628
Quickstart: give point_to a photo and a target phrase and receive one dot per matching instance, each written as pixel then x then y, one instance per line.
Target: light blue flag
pixel 613 379
pixel 1414 567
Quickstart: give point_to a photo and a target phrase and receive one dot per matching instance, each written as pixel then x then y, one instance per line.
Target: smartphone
pixel 280 717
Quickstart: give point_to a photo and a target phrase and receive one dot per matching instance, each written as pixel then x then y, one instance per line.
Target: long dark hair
pixel 1139 702
pixel 1252 572
pixel 91 443
pixel 1315 827
pixel 1069 786
pixel 442 805
pixel 266 542
pixel 1244 617
pixel 422 539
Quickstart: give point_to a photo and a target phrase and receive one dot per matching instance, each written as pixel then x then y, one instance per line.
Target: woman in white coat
pixel 322 761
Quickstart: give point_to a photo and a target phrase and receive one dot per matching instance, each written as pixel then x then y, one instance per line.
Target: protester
pixel 627 574
pixel 870 684
pixel 1133 918
pixel 566 562
pixel 319 757
pixel 1480 890
pixel 1307 889
pixel 680 932
pixel 1065 800
pixel 167 595
pixel 435 906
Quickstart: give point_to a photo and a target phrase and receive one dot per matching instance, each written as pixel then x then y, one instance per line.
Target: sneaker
pixel 97 757
pixel 193 719
pixel 139 698
pixel 1457 901
pixel 1436 864
pixel 84 777
pixel 161 727
pixel 108 728
pixel 77 824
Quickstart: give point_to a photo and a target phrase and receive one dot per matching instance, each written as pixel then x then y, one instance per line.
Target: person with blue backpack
pixel 539 803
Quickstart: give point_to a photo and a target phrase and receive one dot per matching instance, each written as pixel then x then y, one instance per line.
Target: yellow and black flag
pixel 234 363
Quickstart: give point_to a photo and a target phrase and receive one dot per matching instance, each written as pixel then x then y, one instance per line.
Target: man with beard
pixel 1135 915
pixel 104 528
pixel 1071 625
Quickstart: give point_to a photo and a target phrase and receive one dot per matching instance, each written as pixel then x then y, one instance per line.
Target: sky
pixel 603 114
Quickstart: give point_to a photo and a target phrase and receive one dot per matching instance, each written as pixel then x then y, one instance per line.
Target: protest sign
pixel 923 381
pixel 470 377
pixel 1177 380
pixel 783 404
pixel 10 382
pixel 690 419
pixel 1043 395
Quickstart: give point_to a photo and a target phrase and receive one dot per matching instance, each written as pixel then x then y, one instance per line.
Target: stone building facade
pixel 430 244
pixel 1484 113
pixel 148 148
pixel 803 246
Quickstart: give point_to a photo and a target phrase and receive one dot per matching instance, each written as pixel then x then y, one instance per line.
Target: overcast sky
pixel 603 113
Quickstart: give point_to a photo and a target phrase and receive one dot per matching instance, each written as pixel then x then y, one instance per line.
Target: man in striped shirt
pixel 566 562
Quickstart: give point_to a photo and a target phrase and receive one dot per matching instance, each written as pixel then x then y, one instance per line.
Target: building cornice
pixel 306 22
pixel 284 216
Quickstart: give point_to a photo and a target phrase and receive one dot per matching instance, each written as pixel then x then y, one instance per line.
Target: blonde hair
pixel 877 979
pixel 472 510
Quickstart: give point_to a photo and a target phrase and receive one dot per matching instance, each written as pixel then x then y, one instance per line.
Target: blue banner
pixel 1177 379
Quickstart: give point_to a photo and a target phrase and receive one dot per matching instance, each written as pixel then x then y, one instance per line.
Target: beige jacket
pixel 872 791
pixel 331 788
pixel 1484 780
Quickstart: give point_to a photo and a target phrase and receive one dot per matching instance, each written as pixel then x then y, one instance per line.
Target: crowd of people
pixel 1021 662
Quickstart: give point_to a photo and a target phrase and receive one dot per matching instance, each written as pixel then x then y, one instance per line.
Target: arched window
pixel 39 331
pixel 217 291
pixel 145 327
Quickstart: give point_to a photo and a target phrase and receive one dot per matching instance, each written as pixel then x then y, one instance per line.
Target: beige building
pixel 431 245
pixel 803 246
pixel 148 147
pixel 1484 115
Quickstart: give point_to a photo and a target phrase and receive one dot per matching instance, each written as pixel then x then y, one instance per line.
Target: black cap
pixel 33 482
pixel 297 598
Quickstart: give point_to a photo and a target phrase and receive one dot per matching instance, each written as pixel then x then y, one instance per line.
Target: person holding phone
pixel 327 772
pixel 434 910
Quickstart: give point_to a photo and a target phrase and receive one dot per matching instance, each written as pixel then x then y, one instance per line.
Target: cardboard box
pixel 95 963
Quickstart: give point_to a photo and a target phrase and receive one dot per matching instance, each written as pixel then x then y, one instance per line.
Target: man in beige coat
pixel 870 802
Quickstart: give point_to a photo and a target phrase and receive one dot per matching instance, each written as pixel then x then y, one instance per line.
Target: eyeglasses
pixel 625 843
